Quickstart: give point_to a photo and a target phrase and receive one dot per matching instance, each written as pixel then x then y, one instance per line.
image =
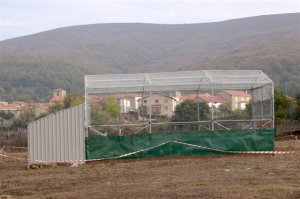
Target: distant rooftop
pixel 59 89
pixel 237 93
pixel 57 99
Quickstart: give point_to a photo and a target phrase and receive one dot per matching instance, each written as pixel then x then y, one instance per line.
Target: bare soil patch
pixel 194 177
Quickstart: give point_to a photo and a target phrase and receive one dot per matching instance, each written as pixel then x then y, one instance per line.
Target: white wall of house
pixel 3 102
pixel 124 105
pixel 175 102
pixel 59 93
pixel 160 104
pixel 216 104
pixel 242 105
pixel 237 102
pixel 134 102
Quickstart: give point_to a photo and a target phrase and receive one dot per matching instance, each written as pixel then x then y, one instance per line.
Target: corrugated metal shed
pixel 58 137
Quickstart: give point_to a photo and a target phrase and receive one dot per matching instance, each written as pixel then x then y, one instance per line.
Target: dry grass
pixel 214 177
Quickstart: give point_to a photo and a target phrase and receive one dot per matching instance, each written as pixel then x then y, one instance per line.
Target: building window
pixel 166 100
pixel 156 109
pixel 145 101
pixel 156 101
pixel 166 108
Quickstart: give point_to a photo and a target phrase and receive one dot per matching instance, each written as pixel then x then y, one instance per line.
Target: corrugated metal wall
pixel 58 137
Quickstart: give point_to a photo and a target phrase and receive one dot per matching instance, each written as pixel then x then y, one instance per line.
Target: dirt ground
pixel 248 176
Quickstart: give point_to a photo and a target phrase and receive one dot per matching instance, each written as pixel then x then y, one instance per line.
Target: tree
pixel 57 106
pixel 143 110
pixel 297 109
pixel 25 117
pixel 107 112
pixel 6 115
pixel 111 107
pixel 44 114
pixel 282 106
pixel 225 110
pixel 187 111
pixel 73 100
pixel 100 118
pixel 249 108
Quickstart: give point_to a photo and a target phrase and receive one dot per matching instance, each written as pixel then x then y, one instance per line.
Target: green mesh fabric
pixel 98 147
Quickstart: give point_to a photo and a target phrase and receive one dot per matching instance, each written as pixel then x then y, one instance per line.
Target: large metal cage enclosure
pixel 129 113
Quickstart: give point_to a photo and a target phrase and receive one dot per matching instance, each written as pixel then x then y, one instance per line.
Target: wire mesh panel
pixel 178 101
pixel 134 113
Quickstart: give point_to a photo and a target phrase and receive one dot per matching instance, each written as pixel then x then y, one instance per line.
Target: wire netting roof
pixel 180 80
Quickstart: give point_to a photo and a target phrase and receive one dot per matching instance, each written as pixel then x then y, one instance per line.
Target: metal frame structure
pixel 212 81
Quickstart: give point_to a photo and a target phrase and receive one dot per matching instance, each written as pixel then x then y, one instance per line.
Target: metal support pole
pixel 252 104
pixel 273 106
pixel 143 112
pixel 85 102
pixel 198 111
pixel 261 104
pixel 86 108
pixel 150 108
pixel 212 109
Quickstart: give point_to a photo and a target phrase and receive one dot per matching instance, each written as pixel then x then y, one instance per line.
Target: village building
pixel 159 104
pixel 40 108
pixel 212 101
pixel 22 104
pixel 238 99
pixel 124 105
pixel 10 108
pixel 59 93
pixel 95 101
pixel 58 96
pixel 3 102
pixel 134 102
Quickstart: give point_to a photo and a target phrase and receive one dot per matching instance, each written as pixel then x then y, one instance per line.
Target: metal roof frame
pixel 180 80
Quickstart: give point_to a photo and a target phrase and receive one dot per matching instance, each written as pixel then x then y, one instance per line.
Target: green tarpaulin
pixel 165 144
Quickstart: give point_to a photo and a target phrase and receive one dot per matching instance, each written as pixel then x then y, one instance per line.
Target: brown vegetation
pixel 202 177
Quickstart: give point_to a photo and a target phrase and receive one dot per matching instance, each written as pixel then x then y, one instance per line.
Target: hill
pixel 31 66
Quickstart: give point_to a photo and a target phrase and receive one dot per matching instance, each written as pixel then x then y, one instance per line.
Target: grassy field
pixel 255 176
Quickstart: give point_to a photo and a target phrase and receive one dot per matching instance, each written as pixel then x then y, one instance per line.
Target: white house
pixel 214 101
pixel 239 99
pixel 159 104
pixel 124 105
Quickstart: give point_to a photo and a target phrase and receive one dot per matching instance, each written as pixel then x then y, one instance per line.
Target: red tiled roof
pixel 205 97
pixel 158 93
pixel 9 107
pixel 95 100
pixel 210 98
pixel 57 99
pixel 237 93
pixel 21 103
pixel 44 106
pixel 188 97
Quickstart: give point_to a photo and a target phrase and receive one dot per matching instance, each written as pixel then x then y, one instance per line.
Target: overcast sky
pixel 23 17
